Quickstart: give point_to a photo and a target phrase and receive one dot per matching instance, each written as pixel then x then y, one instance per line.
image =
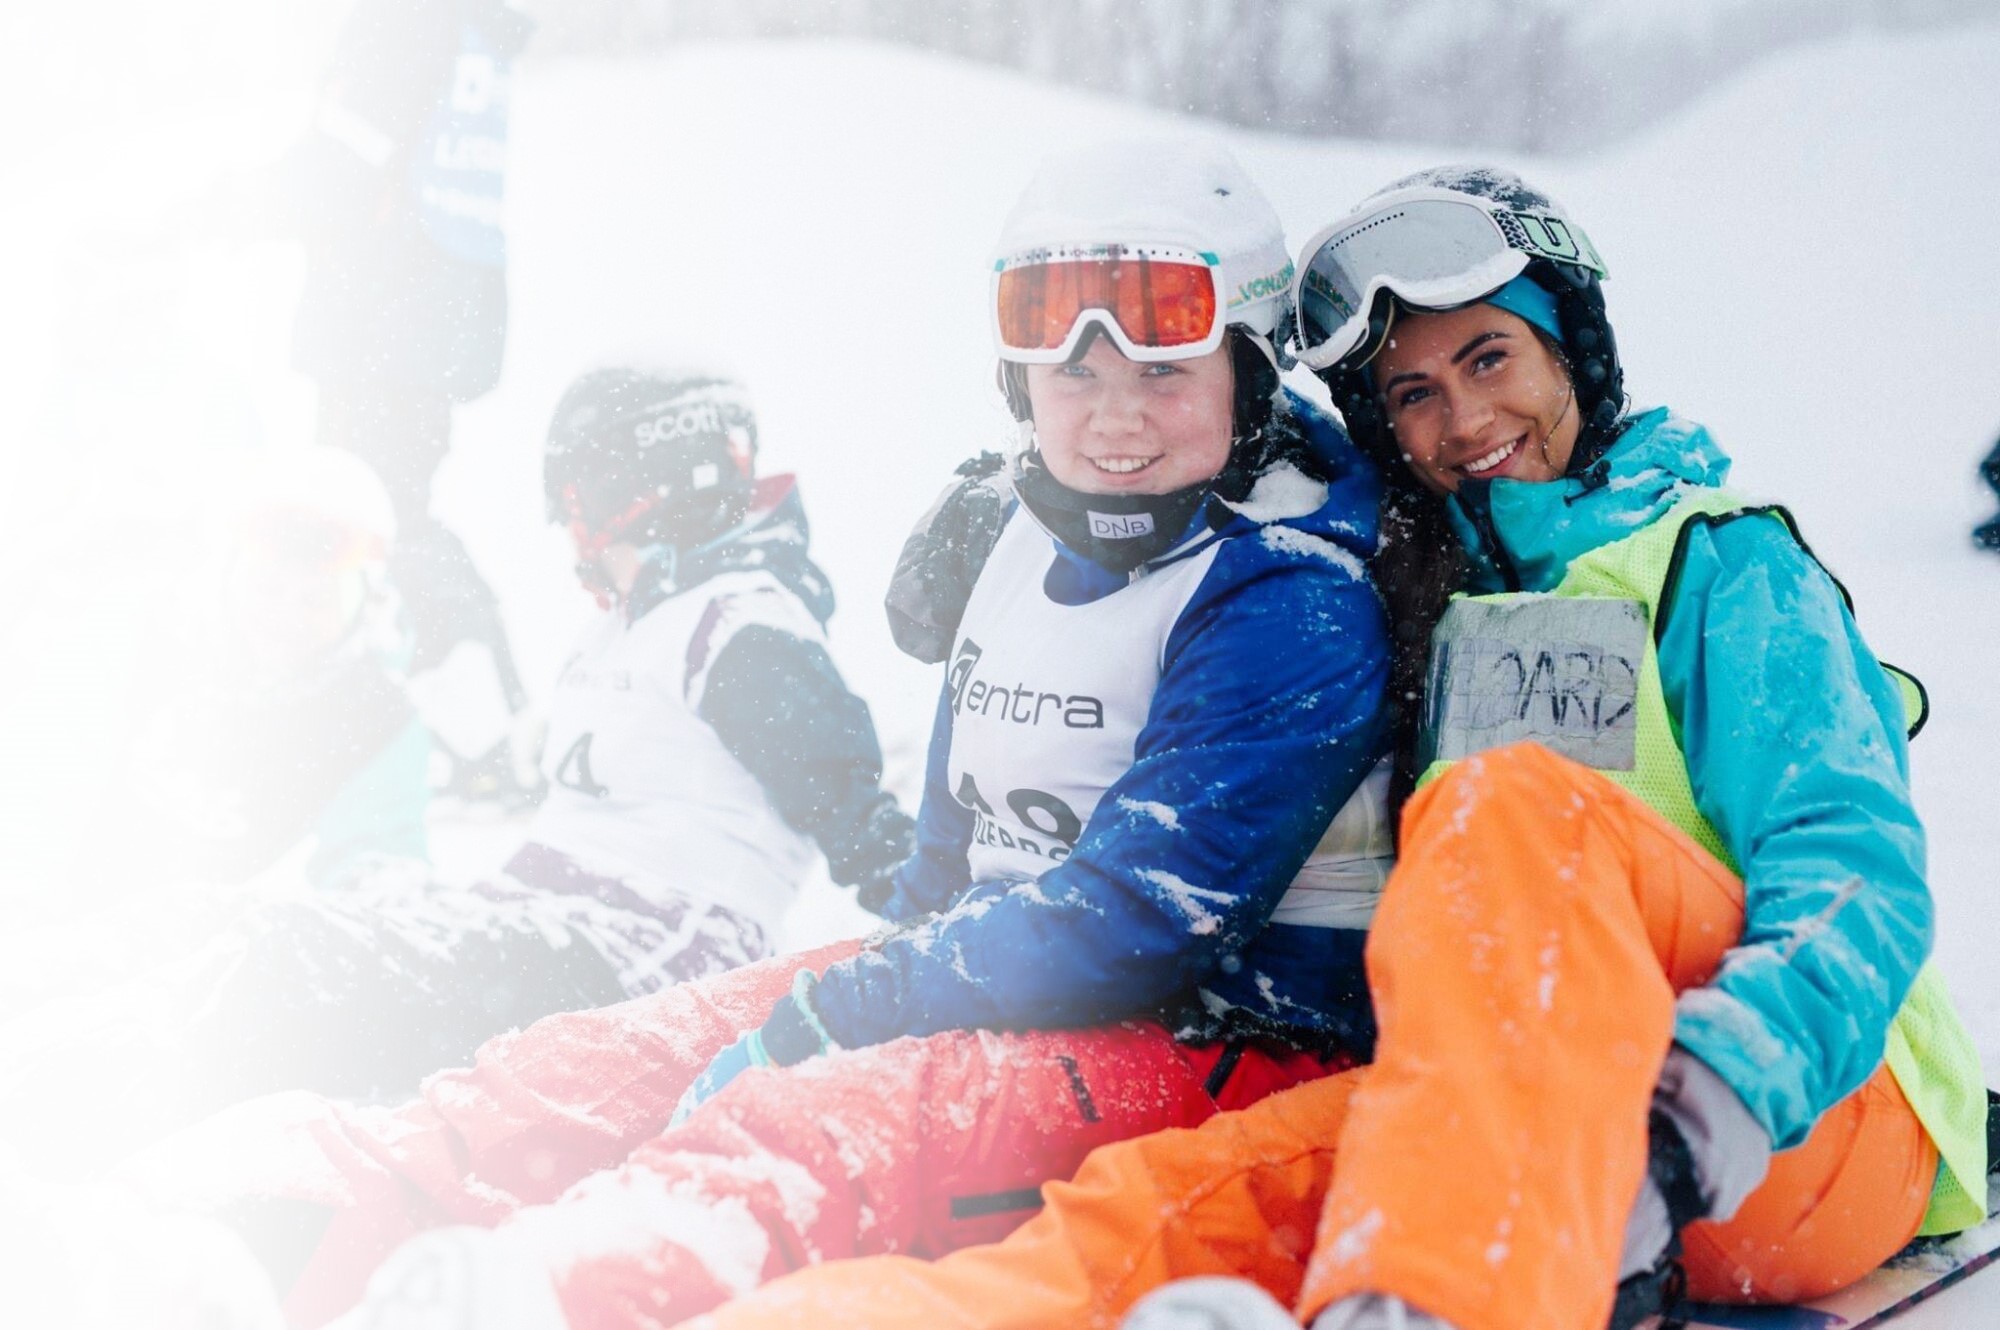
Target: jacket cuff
pixel 793 1032
pixel 1728 1148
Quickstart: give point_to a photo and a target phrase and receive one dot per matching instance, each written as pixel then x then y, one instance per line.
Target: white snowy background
pixel 1805 260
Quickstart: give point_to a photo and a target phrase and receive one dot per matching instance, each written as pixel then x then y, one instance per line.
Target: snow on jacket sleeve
pixel 1266 717
pixel 1794 744
pixel 781 709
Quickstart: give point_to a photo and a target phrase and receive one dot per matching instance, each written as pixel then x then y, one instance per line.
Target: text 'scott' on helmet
pixel 650 457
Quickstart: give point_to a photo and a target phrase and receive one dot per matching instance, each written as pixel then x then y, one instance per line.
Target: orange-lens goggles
pixel 1157 302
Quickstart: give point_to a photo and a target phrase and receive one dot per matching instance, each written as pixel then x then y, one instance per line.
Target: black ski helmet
pixel 650 457
pixel 1587 342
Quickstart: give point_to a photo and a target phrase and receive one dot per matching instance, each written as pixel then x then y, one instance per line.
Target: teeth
pixel 1122 465
pixel 1492 459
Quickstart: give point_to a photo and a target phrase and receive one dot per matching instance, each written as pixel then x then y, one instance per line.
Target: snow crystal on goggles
pixel 1434 249
pixel 1156 302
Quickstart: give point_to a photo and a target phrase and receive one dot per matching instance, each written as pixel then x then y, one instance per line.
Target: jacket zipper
pixel 1476 499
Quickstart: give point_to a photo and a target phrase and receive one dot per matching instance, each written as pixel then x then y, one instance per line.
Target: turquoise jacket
pixel 1795 747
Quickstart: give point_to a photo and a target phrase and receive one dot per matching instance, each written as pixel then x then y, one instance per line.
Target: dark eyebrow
pixel 1463 352
pixel 1476 343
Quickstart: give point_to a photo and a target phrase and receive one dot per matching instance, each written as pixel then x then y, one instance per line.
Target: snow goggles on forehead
pixel 1433 249
pixel 1155 302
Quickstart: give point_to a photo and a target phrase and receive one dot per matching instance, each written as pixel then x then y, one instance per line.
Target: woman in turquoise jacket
pixel 1592 595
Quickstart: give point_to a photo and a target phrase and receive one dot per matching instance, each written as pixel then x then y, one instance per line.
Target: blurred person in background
pixel 298 728
pixel 706 752
pixel 282 750
pixel 396 192
pixel 703 746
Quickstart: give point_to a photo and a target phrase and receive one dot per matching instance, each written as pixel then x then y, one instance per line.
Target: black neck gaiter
pixel 1115 531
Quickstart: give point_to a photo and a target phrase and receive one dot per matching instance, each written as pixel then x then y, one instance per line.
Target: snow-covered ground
pixel 1808 261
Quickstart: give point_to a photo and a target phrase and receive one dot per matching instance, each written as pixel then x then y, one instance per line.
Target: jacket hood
pixel 1539 528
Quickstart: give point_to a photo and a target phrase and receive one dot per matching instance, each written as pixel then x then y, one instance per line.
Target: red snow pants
pixel 1524 964
pixel 556 1137
pixel 539 1110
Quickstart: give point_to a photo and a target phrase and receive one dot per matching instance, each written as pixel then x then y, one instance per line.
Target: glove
pixel 875 893
pixel 791 1034
pixel 943 557
pixel 867 855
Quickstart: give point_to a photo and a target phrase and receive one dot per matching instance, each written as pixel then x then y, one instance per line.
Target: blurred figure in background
pixel 297 727
pixel 396 192
pixel 702 743
pixel 703 747
pixel 1987 533
pixel 282 750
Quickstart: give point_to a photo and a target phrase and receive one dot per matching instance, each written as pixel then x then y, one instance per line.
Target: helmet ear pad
pixel 1592 351
pixel 1255 367
pixel 690 494
pixel 1013 381
pixel 704 511
pixel 1362 414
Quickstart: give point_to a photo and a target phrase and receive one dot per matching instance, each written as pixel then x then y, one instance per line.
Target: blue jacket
pixel 1266 717
pixel 1795 748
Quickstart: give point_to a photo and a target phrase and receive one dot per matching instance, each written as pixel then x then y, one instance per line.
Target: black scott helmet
pixel 650 457
pixel 1441 239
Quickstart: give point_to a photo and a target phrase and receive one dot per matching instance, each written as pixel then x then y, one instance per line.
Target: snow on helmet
pixel 650 457
pixel 1165 245
pixel 1443 238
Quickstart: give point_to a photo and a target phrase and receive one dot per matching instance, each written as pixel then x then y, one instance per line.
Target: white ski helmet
pixel 1156 200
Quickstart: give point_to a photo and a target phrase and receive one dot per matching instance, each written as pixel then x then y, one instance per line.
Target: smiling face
pixel 1474 393
pixel 1108 425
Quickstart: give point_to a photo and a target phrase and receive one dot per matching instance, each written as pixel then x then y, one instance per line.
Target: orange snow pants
pixel 1524 964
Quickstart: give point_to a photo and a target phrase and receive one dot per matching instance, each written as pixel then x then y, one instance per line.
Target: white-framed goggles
pixel 1433 248
pixel 1155 302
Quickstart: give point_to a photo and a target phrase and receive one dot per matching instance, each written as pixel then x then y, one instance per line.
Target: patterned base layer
pixel 1926 1267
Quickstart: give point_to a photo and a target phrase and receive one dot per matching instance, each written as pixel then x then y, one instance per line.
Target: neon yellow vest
pixel 1625 732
